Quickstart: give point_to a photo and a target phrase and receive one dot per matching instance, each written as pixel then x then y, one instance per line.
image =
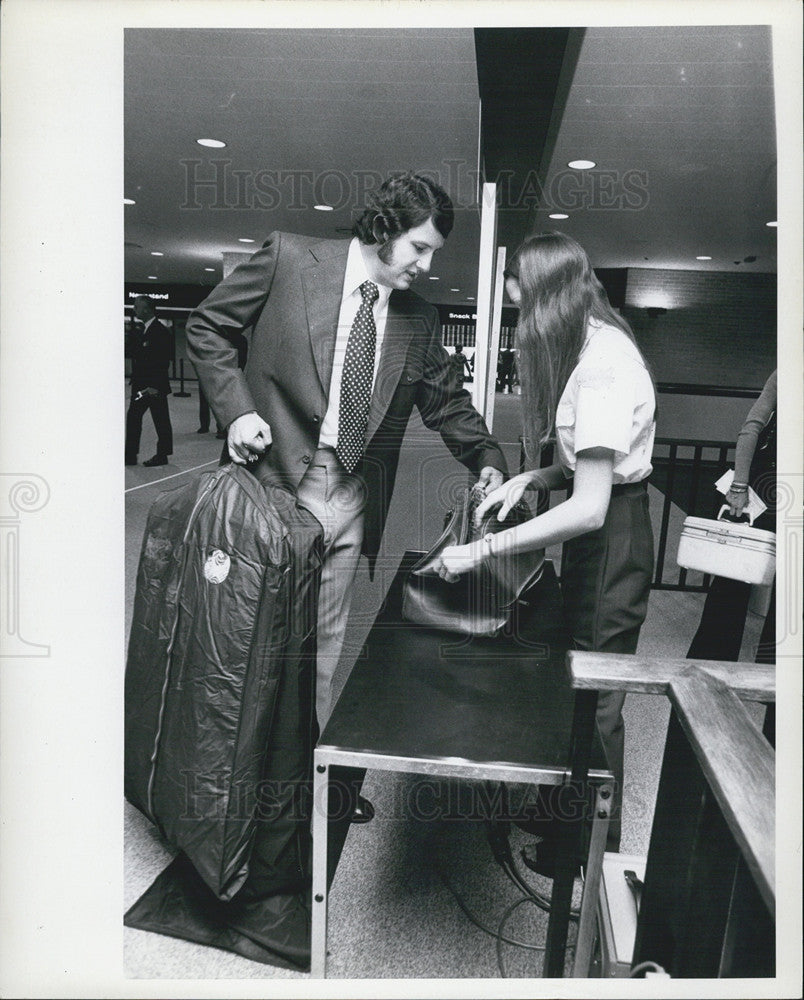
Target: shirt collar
pixel 356 274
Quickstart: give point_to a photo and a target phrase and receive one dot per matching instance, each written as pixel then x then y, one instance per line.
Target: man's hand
pixel 247 438
pixel 489 479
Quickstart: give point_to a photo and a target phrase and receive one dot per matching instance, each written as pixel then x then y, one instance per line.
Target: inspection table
pixel 499 709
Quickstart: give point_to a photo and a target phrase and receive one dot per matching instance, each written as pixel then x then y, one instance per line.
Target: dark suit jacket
pixel 151 353
pixel 290 292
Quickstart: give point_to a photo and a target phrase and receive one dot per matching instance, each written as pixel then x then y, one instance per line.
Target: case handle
pixel 734 520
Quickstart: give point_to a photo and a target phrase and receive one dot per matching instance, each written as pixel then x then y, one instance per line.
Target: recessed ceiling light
pixel 323 208
pixel 773 225
pixel 434 278
pixel 703 258
pixel 209 268
pixel 558 215
pixel 581 164
pixel 244 239
pixel 130 201
pixel 212 143
pixel 454 289
pixel 157 253
pixel 470 297
pixel 152 277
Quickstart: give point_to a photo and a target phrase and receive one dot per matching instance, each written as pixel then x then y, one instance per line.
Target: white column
pixel 494 336
pixel 485 294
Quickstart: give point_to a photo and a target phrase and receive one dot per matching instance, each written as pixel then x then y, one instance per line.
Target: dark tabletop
pixel 427 694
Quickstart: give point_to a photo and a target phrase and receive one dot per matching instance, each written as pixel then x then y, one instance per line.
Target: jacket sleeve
pixel 447 408
pixel 214 329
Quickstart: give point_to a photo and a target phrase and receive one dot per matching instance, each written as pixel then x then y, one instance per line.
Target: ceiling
pixel 687 113
pixel 678 120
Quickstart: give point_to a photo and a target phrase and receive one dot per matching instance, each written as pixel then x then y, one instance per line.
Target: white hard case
pixel 617 913
pixel 723 548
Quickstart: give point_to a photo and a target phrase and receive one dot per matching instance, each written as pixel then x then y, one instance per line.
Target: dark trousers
pixel 203 412
pixel 720 632
pixel 605 582
pixel 158 405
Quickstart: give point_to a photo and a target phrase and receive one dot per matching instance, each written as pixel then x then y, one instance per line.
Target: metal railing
pixel 684 471
pixel 700 462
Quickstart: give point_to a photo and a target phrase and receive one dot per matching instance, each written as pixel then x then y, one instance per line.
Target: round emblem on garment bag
pixel 217 566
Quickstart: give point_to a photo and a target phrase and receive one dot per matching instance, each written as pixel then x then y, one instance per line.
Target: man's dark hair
pixel 146 301
pixel 403 202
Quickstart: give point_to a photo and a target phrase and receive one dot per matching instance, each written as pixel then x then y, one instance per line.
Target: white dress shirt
pixel 351 299
pixel 608 402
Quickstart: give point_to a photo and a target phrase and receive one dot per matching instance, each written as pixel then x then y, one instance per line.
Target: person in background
pixel 720 632
pixel 203 417
pixel 460 365
pixel 151 351
pixel 505 371
pixel 584 380
pixel 341 351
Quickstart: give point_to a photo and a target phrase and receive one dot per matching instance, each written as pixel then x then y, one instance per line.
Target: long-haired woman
pixel 585 381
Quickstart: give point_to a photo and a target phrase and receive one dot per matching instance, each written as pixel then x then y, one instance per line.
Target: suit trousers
pixel 337 500
pixel 158 405
pixel 605 583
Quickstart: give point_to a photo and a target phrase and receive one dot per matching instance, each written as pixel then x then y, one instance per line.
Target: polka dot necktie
pixel 358 375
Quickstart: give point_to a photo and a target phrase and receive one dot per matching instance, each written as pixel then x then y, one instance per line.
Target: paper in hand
pixel 754 507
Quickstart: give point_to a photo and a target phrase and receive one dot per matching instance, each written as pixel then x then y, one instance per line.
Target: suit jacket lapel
pixel 322 280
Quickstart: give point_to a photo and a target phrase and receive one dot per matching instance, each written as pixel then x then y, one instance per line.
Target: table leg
pixel 591 885
pixel 568 849
pixel 318 934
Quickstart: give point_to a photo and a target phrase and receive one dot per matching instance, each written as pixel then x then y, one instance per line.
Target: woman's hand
pixel 736 502
pixel 459 559
pixel 509 495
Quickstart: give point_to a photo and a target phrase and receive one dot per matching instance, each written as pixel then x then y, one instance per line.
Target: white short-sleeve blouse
pixel 608 402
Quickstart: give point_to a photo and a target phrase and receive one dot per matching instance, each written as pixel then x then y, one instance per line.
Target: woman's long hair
pixel 560 294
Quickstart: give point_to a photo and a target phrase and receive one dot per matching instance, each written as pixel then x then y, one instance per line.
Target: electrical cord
pixel 646 967
pixel 497 834
pixel 500 939
pixel 501 849
pixel 479 924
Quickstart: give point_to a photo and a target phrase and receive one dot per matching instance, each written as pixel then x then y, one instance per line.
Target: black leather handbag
pixel 482 601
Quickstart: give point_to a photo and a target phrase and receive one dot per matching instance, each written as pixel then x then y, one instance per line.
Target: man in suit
pixel 300 405
pixel 151 351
